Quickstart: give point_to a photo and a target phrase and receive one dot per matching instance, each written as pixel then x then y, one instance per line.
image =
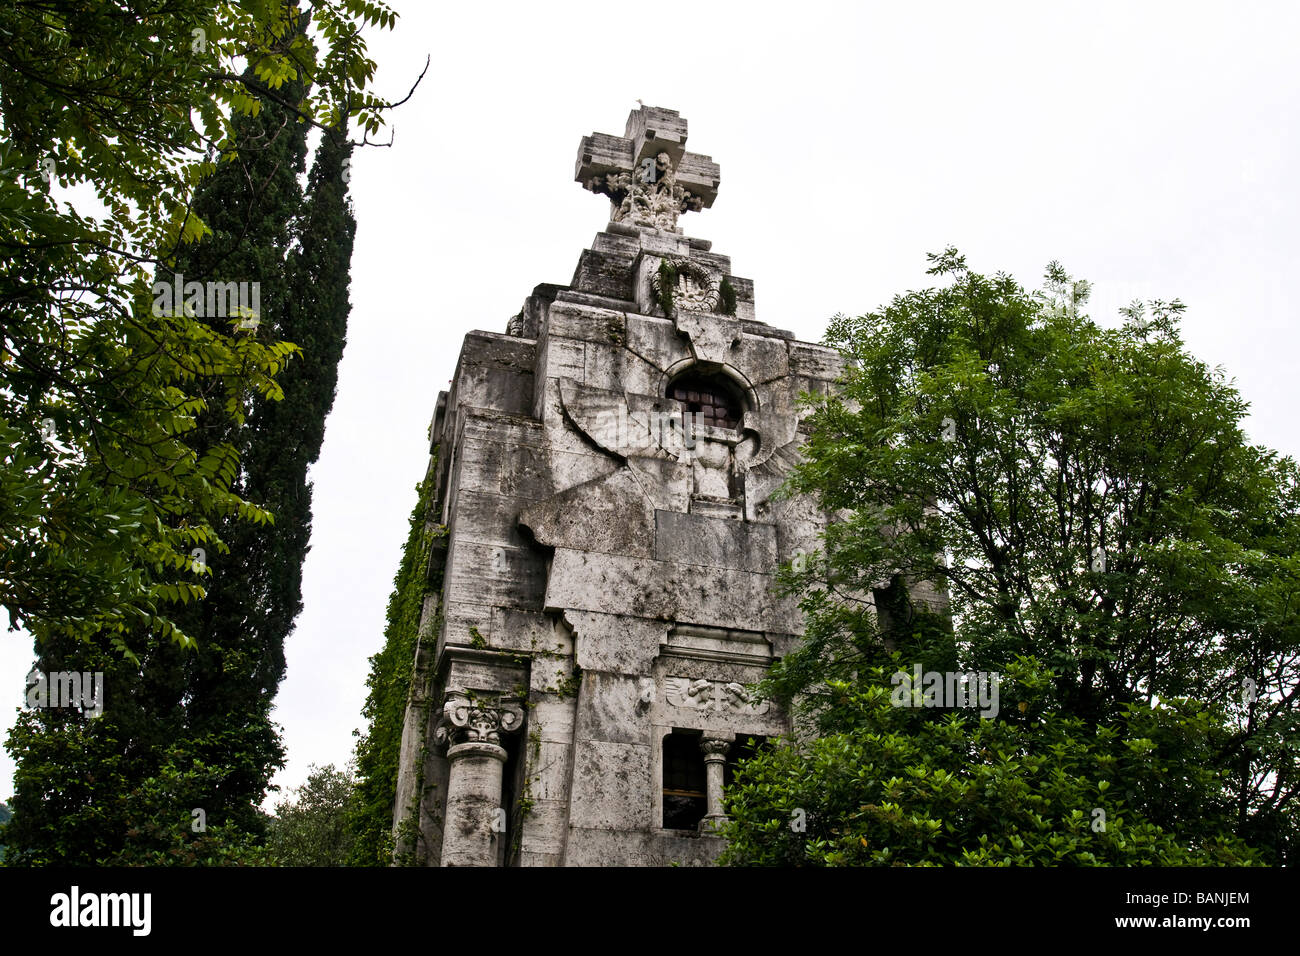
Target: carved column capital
pixel 715 749
pixel 470 719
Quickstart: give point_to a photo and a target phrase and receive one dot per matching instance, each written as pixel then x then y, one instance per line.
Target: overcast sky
pixel 1151 148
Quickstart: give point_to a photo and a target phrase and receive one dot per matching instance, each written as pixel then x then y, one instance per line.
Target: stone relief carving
pixel 712 695
pixel 641 201
pixel 695 290
pixel 468 720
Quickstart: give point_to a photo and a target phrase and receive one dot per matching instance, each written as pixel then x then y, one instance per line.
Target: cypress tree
pixel 191 731
pixel 256 590
pixel 183 730
pixel 232 676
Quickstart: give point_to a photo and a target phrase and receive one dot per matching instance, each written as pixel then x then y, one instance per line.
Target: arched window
pixel 712 398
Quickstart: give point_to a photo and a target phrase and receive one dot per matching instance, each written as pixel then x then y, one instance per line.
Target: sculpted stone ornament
pixel 469 720
pixel 647 173
pixel 650 198
pixel 712 695
pixel 694 291
pixel 714 748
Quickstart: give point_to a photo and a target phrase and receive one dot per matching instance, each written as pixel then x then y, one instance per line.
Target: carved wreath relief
pixel 712 695
pixel 695 290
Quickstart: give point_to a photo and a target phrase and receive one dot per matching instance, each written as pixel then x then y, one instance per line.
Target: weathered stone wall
pixel 609 565
pixel 609 573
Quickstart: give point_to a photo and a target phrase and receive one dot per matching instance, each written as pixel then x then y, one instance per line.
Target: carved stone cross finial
pixel 647 174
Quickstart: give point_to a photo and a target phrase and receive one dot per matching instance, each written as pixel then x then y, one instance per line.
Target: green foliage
pixel 101 498
pixel 391 671
pixel 666 285
pixel 125 427
pixel 5 816
pixel 312 829
pixel 727 297
pixel 898 786
pixel 120 789
pixel 1078 495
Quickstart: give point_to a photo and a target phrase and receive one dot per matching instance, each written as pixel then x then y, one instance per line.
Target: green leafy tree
pixel 121 424
pixel 101 498
pixel 311 829
pixel 1011 479
pixel 898 786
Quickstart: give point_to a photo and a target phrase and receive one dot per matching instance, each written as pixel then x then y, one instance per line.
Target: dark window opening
pixel 685 778
pixel 685 801
pixel 709 397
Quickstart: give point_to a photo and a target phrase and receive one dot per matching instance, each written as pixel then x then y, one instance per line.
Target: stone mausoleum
pixel 608 543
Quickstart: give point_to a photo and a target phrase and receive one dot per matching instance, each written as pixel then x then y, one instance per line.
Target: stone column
pixel 715 758
pixel 475 819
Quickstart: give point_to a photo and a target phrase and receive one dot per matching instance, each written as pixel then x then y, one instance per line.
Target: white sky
pixel 1151 148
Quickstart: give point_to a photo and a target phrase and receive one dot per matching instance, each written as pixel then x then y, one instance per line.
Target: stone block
pixel 667 483
pixel 549 770
pixel 512 469
pixel 616 244
pixel 656 341
pixel 484 672
pixel 578 322
pixel 611 786
pixel 762 359
pixel 544 829
pixel 498 575
pixel 587 846
pixel 815 361
pixel 608 515
pixel 714 338
pixel 674 848
pixel 552 716
pixel 560 357
pixel 614 368
pixel 610 710
pixel 715 542
pixel 487 519
pixel 664 244
pixel 603 274
pixel 458 619
pixel 618 645
pixel 653 129
pixel 640 587
pixel 569 468
pixel 600 153
pixel 525 631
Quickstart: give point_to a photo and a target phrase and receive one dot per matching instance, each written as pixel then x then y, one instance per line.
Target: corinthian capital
pixel 715 748
pixel 470 719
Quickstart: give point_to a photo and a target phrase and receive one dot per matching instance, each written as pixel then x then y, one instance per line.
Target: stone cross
pixel 647 174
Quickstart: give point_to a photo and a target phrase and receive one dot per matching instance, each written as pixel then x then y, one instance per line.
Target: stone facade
pixel 604 474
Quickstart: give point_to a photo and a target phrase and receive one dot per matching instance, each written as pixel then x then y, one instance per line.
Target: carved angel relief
pixel 712 695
